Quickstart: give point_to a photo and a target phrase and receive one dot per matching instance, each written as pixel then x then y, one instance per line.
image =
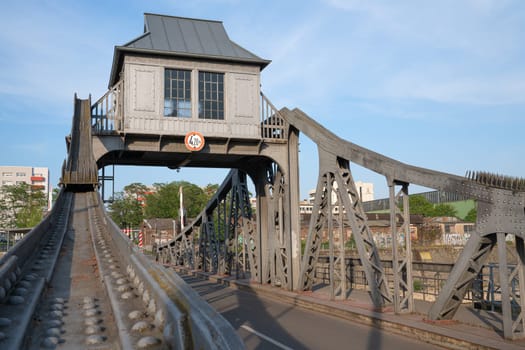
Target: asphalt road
pixel 265 323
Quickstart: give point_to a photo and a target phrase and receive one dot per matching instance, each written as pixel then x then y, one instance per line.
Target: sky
pixel 435 84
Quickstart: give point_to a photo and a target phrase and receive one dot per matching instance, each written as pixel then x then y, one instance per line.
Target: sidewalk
pixel 470 329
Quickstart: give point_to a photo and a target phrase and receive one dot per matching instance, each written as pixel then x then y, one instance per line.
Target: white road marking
pixel 265 337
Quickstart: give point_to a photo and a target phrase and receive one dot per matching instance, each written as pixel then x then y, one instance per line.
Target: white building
pixel 37 177
pixel 365 190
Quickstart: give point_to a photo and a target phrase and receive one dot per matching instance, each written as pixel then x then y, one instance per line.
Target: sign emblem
pixel 194 141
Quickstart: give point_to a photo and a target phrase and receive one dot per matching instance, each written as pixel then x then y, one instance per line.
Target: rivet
pixel 50 342
pixel 95 339
pixel 91 321
pixel 127 295
pixel 136 314
pixel 91 312
pixel 93 329
pixel 141 326
pixel 147 342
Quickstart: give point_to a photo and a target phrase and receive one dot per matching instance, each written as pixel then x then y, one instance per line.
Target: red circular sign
pixel 194 141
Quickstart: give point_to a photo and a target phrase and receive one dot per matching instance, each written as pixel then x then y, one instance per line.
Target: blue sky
pixel 436 84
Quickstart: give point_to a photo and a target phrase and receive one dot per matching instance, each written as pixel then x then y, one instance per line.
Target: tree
pixel 21 206
pixel 126 208
pixel 136 190
pixel 471 215
pixel 165 201
pixel 420 205
pixel 210 190
pixel 444 209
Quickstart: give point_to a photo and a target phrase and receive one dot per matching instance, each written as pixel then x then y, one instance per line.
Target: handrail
pixel 107 112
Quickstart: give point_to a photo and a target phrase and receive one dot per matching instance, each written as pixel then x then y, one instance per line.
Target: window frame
pixel 179 96
pixel 210 95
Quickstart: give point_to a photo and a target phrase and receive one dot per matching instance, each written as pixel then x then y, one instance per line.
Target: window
pixel 469 228
pixel 211 95
pixel 20 174
pixel 7 174
pixel 177 93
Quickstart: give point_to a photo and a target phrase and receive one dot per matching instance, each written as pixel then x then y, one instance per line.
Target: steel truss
pixel 222 239
pixel 277 267
pixel 467 268
pixel 335 177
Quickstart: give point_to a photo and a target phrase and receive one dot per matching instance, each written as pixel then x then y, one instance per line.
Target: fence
pixel 428 280
pixel 9 237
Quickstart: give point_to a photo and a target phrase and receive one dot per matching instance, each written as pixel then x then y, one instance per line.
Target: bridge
pixel 183 94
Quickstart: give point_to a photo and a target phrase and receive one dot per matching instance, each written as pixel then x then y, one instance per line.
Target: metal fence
pixel 434 197
pixel 428 279
pixel 9 237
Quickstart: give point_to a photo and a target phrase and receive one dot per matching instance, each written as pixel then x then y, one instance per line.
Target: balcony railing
pixel 273 125
pixel 107 115
pixel 107 112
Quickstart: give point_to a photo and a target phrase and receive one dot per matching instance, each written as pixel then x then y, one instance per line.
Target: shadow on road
pixel 248 314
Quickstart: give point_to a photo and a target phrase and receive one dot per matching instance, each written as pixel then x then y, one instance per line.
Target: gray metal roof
pixel 186 37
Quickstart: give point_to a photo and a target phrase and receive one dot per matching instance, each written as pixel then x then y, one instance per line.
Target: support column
pixel 293 209
pixel 401 257
pixel 512 289
pixel 504 285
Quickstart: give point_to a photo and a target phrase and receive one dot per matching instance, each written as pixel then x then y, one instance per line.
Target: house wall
pixel 144 99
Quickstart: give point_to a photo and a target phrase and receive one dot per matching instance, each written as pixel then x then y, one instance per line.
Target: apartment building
pixel 37 177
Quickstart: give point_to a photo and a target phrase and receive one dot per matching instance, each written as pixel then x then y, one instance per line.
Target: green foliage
pixel 138 202
pixel 418 285
pixel 444 209
pixel 165 203
pixel 21 206
pixel 471 215
pixel 126 210
pixel 210 190
pixel 420 205
pixel 350 244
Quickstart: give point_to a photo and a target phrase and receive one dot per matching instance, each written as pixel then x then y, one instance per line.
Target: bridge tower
pixel 183 94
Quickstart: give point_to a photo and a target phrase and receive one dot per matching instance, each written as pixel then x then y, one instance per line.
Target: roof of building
pixel 185 37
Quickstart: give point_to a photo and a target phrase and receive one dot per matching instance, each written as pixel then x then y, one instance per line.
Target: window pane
pixel 211 95
pixel 177 93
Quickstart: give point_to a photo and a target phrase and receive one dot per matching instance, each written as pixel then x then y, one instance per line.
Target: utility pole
pixel 181 208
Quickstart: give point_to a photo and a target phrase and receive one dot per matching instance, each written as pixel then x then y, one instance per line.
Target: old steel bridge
pixel 75 273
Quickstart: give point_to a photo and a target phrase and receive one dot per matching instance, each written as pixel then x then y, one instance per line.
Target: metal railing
pixel 428 279
pixel 107 113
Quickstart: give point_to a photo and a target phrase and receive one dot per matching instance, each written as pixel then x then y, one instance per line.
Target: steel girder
pixel 242 241
pixel 401 255
pixel 335 176
pixel 512 298
pixel 511 279
pixel 277 267
pixel 465 270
